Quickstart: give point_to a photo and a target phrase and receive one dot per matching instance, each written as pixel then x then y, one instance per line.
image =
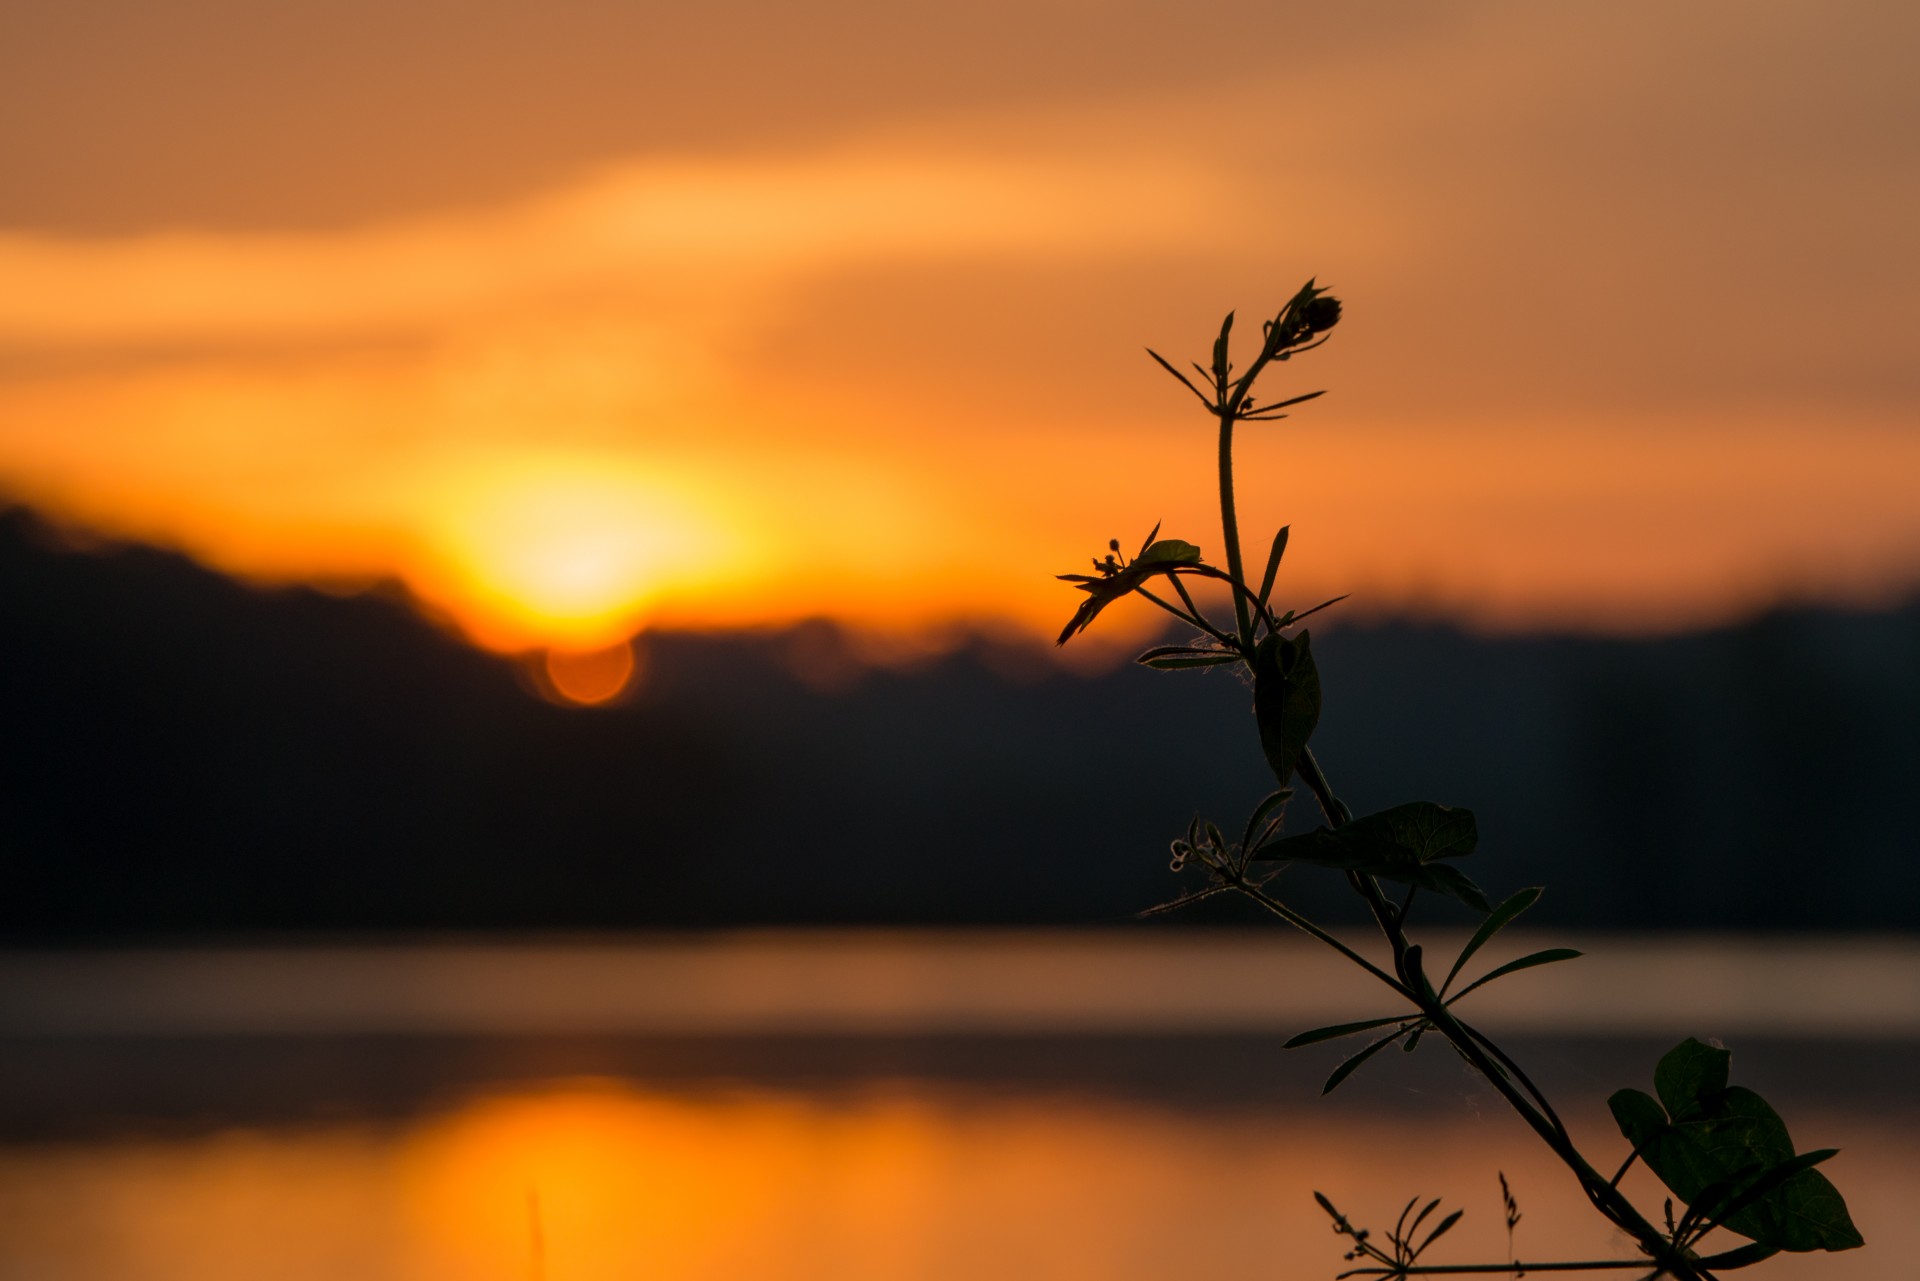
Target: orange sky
pixel 590 317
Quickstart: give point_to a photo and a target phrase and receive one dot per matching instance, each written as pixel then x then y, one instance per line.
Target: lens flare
pixel 590 677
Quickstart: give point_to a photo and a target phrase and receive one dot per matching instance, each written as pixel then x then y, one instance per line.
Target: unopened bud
pixel 1321 314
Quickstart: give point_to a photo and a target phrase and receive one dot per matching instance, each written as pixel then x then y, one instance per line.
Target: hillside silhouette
pixel 183 754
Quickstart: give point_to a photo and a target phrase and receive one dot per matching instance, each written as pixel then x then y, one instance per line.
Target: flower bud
pixel 1321 314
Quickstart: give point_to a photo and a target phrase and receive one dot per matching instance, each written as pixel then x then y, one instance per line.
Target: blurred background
pixel 533 740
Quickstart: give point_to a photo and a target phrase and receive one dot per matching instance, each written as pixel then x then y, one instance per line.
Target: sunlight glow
pixel 569 551
pixel 896 383
pixel 589 1180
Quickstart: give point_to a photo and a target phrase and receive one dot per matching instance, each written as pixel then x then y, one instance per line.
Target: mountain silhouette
pixel 185 754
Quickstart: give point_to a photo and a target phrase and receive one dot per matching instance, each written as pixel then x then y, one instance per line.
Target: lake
pixel 1110 1105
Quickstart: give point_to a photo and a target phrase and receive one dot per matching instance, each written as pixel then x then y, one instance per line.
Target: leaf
pixel 1292 617
pixel 1220 349
pixel 1273 563
pixel 1431 831
pixel 1738 1197
pixel 1274 801
pixel 1184 380
pixel 1352 1065
pixel 1803 1212
pixel 1639 1116
pixel 1169 657
pixel 1292 400
pixel 1547 957
pixel 1812 1215
pixel 1690 1076
pixel 1501 917
pixel 1178 651
pixel 1286 700
pixel 1400 844
pixel 1443 879
pixel 1741 1257
pixel 1446 1225
pixel 1405 1230
pixel 1335 1031
pixel 1169 551
pixel 1175 664
pixel 1418 831
pixel 1271 413
pixel 1711 1139
pixel 1110 585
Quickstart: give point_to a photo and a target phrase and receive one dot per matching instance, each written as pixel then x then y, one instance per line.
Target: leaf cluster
pixel 1402 1253
pixel 1724 1152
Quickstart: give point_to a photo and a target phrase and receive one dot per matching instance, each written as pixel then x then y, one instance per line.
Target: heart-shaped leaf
pixel 1727 1149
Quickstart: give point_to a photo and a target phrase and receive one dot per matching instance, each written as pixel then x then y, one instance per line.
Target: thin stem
pixel 1253 602
pixel 1302 924
pixel 1185 617
pixel 1739 1257
pixel 1231 401
pixel 1515 1268
pixel 1186 598
pixel 1310 774
pixel 1229 522
pixel 1525 1081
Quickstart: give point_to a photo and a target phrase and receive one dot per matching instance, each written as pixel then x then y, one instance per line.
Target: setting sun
pixel 569 551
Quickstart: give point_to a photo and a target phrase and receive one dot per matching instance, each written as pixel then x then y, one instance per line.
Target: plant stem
pixel 1260 611
pixel 1739 1257
pixel 1338 814
pixel 1306 926
pixel 1185 617
pixel 1605 1196
pixel 1229 400
pixel 1515 1268
pixel 1230 524
pixel 1667 1257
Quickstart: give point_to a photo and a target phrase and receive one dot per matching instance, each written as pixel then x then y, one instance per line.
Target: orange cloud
pixel 899 382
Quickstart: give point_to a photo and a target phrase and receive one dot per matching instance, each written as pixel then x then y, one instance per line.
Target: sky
pixel 587 317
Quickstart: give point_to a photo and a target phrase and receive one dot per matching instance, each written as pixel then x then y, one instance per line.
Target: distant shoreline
pixel 938 983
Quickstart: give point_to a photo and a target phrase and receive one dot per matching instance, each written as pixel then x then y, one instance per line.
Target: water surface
pixel 939 1107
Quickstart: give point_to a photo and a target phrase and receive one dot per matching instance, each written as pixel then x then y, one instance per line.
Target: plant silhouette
pixel 1721 1151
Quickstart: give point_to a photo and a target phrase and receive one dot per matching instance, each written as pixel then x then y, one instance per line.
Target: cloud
pixel 701 235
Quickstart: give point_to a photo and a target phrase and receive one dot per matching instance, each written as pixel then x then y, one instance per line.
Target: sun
pixel 566 552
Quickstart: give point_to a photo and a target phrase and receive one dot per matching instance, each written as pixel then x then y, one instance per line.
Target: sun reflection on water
pixel 593 1180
